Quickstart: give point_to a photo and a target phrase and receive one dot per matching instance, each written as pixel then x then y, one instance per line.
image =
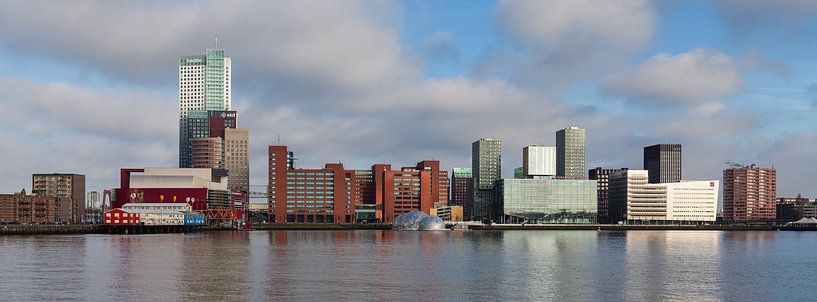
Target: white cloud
pixel 56 127
pixel 691 77
pixel 565 40
pixel 339 45
pixel 745 16
pixel 579 24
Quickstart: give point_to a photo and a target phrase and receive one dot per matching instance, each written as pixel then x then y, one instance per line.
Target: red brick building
pixel 749 194
pixel 329 195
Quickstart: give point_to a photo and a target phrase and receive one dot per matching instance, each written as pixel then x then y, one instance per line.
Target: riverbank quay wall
pixel 322 226
pixel 631 227
pixel 95 229
pixel 105 229
pixel 52 229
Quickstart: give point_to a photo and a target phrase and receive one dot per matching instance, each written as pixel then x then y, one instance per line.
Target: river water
pixel 412 266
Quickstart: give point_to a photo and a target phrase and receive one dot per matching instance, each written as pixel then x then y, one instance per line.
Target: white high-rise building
pixel 204 85
pixel 204 82
pixel 539 161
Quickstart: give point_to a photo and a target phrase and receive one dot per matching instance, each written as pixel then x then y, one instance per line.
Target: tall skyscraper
pixel 539 161
pixel 602 177
pixel 486 166
pixel 570 153
pixel 236 158
pixel 204 85
pixel 663 161
pixel 749 194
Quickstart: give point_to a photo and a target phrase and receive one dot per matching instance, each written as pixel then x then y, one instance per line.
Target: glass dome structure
pixel 416 220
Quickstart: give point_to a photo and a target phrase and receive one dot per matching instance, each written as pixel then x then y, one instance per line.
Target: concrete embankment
pixel 639 227
pixel 322 226
pixel 52 229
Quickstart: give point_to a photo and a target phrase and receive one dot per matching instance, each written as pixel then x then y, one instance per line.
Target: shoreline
pixel 11 230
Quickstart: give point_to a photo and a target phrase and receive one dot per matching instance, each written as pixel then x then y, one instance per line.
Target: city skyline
pixel 100 105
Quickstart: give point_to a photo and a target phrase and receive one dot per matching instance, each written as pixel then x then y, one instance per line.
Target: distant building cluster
pixel 553 185
pixel 55 198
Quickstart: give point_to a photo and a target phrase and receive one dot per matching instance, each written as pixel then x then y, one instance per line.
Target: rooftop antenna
pixel 279 139
pixel 215 41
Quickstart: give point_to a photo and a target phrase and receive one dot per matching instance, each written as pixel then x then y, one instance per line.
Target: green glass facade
pixel 546 200
pixel 214 81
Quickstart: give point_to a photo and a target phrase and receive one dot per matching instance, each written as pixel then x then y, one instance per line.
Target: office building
pixel 749 194
pixel 204 85
pixel 570 153
pixel 236 158
pixel 447 213
pixel 546 200
pixel 333 194
pixel 71 187
pixel 538 161
pixel 635 200
pixel 602 178
pixel 486 166
pixel 461 186
pixel 793 208
pixel 663 161
pixel 691 201
pixel 206 152
pixel 631 199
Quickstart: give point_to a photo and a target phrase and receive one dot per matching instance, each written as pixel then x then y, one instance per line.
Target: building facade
pixel 204 85
pixel 546 200
pixel 461 186
pixel 643 202
pixel 602 178
pixel 332 194
pixel 70 187
pixel 236 158
pixel 749 194
pixel 692 201
pixel 629 185
pixel 201 188
pixel 793 208
pixel 538 161
pixel 570 153
pixel 206 152
pixel 663 161
pixel 36 208
pixel 486 167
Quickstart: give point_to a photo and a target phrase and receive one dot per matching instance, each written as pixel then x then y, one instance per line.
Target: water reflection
pixel 419 266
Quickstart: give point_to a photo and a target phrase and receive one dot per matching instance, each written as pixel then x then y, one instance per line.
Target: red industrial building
pixel 749 194
pixel 329 195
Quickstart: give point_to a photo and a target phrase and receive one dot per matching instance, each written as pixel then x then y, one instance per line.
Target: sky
pixel 90 87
